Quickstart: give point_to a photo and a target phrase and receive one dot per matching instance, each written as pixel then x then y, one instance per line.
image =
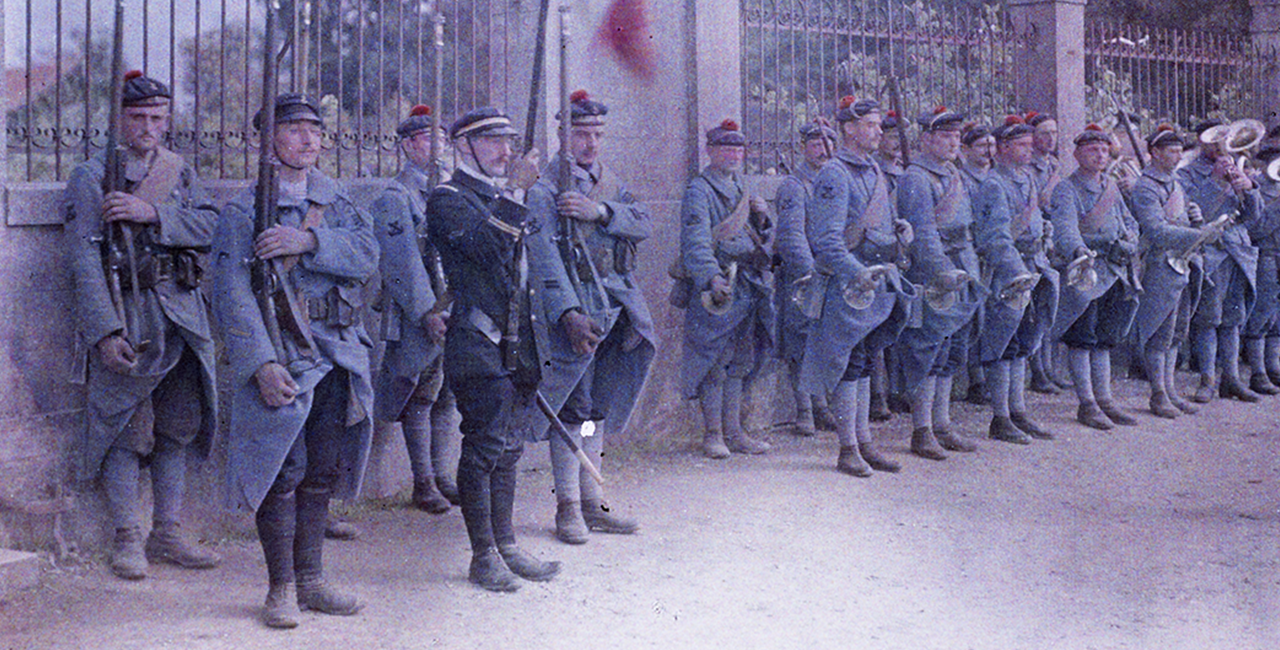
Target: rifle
pixel 430 256
pixel 281 312
pixel 895 103
pixel 1123 117
pixel 535 86
pixel 121 255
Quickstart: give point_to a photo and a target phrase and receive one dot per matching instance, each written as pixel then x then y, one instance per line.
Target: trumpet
pixel 1181 262
pixel 1017 294
pixel 721 307
pixel 1080 272
pixel 940 299
pixel 861 297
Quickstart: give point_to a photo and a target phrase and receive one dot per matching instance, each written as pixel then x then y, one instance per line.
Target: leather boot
pixel 823 418
pixel 489 571
pixel 713 445
pixel 850 462
pixel 1091 416
pixel 1182 404
pixel 526 566
pixel 1163 407
pixel 735 435
pixel 875 459
pixel 343 531
pixel 427 497
pixel 896 404
pixel 166 543
pixel 804 427
pixel 1207 389
pixel 924 445
pixel 745 444
pixel 570 526
pixel 1002 429
pixel 1028 427
pixel 600 517
pixel 281 607
pixel 880 411
pixel 128 560
pixel 314 592
pixel 1231 386
pixel 953 442
pixel 1259 382
pixel 976 394
pixel 1271 359
pixel 448 489
pixel 1040 381
pixel 1171 384
pixel 1116 415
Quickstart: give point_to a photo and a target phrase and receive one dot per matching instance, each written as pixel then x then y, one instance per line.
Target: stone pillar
pixel 1265 29
pixel 715 69
pixel 1051 66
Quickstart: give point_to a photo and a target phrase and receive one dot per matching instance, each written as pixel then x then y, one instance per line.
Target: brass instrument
pixel 1273 170
pixel 1236 138
pixel 1081 274
pixel 721 307
pixel 1017 294
pixel 1182 262
pixel 859 298
pixel 940 299
pixel 808 293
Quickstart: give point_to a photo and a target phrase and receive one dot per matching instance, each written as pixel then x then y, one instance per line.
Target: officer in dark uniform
pixel 151 390
pixel 496 339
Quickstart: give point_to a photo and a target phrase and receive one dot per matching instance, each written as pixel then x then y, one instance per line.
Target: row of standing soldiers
pixel 498 287
pixel 981 255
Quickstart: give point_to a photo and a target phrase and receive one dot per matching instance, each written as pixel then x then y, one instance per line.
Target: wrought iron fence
pixel 366 61
pixel 1173 75
pixel 800 56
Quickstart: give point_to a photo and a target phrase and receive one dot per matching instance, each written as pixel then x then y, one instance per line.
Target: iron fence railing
pixel 366 61
pixel 1173 75
pixel 800 56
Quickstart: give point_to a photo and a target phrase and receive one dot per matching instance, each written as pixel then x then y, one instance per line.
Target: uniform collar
pixel 938 167
pixel 1157 175
pixel 727 185
pixel 321 190
pixel 475 181
pixel 1091 184
pixel 415 177
pixel 855 159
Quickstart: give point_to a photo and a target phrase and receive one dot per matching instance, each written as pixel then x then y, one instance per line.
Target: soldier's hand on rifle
pixel 720 289
pixel 279 241
pixel 903 231
pixel 577 205
pixel 436 327
pixel 275 384
pixel 583 334
pixel 117 355
pixel 523 171
pixel 122 206
pixel 1194 214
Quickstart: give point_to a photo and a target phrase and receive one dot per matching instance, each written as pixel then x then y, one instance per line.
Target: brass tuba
pixel 1237 138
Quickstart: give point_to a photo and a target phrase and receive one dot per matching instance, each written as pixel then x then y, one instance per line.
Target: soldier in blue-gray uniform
pixel 1262 330
pixel 1098 238
pixel 1010 236
pixel 414 308
pixel 725 286
pixel 1170 228
pixel 933 198
pixel 817 143
pixel 1048 172
pixel 300 423
pixel 595 223
pixel 977 157
pixel 503 281
pixel 151 390
pixel 1213 182
pixel 865 301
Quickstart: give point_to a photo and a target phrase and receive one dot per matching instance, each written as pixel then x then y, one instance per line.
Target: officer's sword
pixel 568 438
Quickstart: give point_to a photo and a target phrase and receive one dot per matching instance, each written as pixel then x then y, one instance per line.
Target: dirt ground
pixel 1157 536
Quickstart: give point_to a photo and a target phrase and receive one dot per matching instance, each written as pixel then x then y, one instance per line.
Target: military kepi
pixel 1164 136
pixel 726 134
pixel 1092 134
pixel 1013 128
pixel 486 122
pixel 940 119
pixel 851 109
pixel 585 111
pixel 292 107
pixel 814 130
pixel 140 90
pixel 419 120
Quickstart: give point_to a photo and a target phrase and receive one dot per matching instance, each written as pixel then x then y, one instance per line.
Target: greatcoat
pixel 1160 208
pixel 345 258
pixel 792 247
pixel 170 316
pixel 1215 198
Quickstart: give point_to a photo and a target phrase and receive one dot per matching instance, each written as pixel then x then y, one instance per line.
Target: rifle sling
pixel 313 219
pixel 162 178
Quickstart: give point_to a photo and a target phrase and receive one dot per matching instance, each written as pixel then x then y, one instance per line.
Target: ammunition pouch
pixel 333 309
pixel 185 266
pixel 1116 253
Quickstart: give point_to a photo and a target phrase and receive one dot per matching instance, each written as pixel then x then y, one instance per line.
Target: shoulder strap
pixel 1094 219
pixel 162 178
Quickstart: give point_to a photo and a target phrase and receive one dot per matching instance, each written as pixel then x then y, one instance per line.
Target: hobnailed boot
pixel 281 607
pixel 343 531
pixel 1259 382
pixel 166 543
pixel 1271 359
pixel 924 445
pixel 712 404
pixel 1093 417
pixel 448 489
pixel 745 444
pixel 1207 389
pixel 599 517
pixel 823 418
pixel 953 442
pixel 526 566
pixel 314 592
pixel 735 435
pixel 850 462
pixel 1040 381
pixel 570 526
pixel 875 459
pixel 489 571
pixel 713 445
pixel 1163 407
pixel 1028 427
pixel 880 411
pixel 427 497
pixel 1100 365
pixel 1231 386
pixel 1002 429
pixel 1116 415
pixel 1171 384
pixel 128 560
pixel 804 427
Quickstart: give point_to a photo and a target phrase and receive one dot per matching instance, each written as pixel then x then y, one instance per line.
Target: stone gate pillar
pixel 1052 63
